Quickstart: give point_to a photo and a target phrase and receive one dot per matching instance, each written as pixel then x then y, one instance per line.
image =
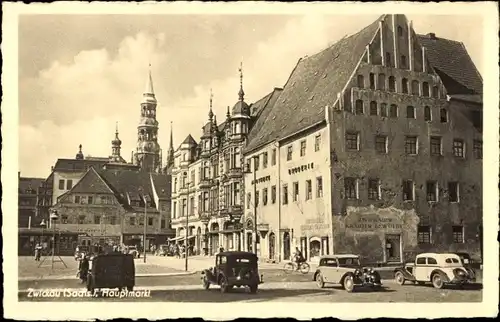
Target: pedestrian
pixel 38 250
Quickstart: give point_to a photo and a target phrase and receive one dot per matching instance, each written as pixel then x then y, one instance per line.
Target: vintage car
pixel 163 250
pixel 132 250
pixel 468 264
pixel 346 270
pixel 437 268
pixel 233 268
pixel 113 270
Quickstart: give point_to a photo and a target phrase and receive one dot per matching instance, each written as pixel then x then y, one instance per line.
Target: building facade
pixel 207 180
pixel 399 150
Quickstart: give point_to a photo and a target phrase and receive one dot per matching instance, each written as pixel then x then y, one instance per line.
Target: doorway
pixel 272 241
pixel 286 245
pixel 249 242
pixel 393 248
pixel 314 248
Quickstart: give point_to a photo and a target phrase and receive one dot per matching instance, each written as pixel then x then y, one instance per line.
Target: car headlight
pixel 238 277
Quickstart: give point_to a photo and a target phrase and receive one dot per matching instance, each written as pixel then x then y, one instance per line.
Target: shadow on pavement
pixel 465 287
pixel 361 289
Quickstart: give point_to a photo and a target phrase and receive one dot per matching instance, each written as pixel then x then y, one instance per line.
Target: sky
pixel 81 74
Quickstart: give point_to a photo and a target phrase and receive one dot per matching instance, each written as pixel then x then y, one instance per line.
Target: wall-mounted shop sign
pixel 372 222
pixel 301 168
pixel 314 227
pixel 263 179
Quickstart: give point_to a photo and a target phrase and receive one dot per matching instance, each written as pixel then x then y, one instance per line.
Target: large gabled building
pixel 373 147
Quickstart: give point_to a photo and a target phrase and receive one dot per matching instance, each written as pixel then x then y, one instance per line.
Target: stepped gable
pixel 92 183
pixel 453 64
pixel 314 84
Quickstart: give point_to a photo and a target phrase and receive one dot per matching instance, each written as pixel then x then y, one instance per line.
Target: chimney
pixel 432 35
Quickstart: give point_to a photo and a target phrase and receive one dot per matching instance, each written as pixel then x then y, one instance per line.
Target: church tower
pixel 170 156
pixel 116 146
pixel 147 154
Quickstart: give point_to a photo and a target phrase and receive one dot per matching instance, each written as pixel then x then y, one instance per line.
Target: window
pixel 352 142
pixel 411 146
pixel 415 87
pixel 478 149
pixel 249 200
pixel 69 184
pixel 273 157
pixel 431 261
pixel 410 112
pixel 404 86
pixel 319 187
pixel 256 162
pixel 90 200
pixel 175 184
pixel 308 189
pixel 453 192
pixel 400 31
pixel 61 184
pixel 427 114
pixel 64 219
pixel 435 145
pixel 289 152
pixel 295 191
pixel 458 234
pixel 423 237
pixel 131 221
pixel 393 111
pixel 388 59
pixel 421 260
pixel 264 160
pixel 112 220
pixel 191 206
pixel 302 148
pixel 264 196
pixel 285 194
pixel 351 188
pixel 383 109
pixel 360 108
pixel 373 189
pixel 150 221
pixel 361 81
pixel 81 219
pixel 408 190
pixel 425 89
pixel 257 197
pixel 381 144
pixel 381 82
pixel 403 61
pixel 163 224
pixel 435 92
pixel 174 214
pixel 443 115
pixel 372 81
pixel 317 142
pixel 459 148
pixel 432 191
pixel 373 108
pixel 273 194
pixel 77 199
pixel 392 84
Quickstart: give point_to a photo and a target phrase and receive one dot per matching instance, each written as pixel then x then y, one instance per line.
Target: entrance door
pixel 272 245
pixel 286 245
pixel 393 248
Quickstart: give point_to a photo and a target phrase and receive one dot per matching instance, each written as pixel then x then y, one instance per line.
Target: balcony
pixel 235 173
pixel 205 183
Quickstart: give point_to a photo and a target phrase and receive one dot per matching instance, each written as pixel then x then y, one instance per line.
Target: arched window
pixel 425 89
pixel 443 115
pixel 373 108
pixel 403 61
pixel 361 81
pixel 392 83
pixel 400 31
pixel 404 86
pixel 393 111
pixel 383 110
pixel 388 59
pixel 427 114
pixel 359 107
pixel 435 92
pixel 381 82
pixel 237 128
pixel 372 81
pixel 410 112
pixel 415 87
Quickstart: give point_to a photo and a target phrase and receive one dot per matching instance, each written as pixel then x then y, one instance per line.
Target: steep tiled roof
pixel 313 84
pixel 189 140
pixel 163 185
pixel 453 64
pixel 77 165
pixel 91 183
pixel 124 182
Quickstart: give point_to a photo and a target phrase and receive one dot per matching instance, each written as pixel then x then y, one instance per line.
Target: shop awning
pixel 175 238
pixel 182 238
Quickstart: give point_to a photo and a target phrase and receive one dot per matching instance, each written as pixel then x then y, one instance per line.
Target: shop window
pixel 424 237
pixel 359 107
pixel 458 234
pixel 408 190
pixel 432 191
pixel 411 145
pixel 435 145
pixel 453 192
pixel 427 114
pixel 351 188
pixel 373 108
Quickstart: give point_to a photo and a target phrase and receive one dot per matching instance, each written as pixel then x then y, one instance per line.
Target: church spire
pixel 170 155
pixel 241 93
pixel 116 147
pixel 211 113
pixel 149 93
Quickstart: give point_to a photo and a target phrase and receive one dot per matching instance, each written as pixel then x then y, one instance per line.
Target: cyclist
pixel 299 258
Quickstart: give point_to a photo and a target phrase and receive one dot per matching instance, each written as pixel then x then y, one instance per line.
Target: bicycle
pixel 292 267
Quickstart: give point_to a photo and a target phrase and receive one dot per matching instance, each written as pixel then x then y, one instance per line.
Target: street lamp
pixel 42 224
pixel 145 221
pixel 53 218
pixel 248 170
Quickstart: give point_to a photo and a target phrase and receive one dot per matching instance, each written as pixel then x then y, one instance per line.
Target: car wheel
pixel 348 283
pixel 399 278
pixel 320 281
pixel 437 281
pixel 253 288
pixel 224 287
pixel 206 283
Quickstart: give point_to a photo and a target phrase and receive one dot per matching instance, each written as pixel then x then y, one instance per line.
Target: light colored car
pixel 436 268
pixel 133 251
pixel 346 270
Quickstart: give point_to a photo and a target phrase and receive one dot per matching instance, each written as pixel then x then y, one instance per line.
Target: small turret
pixel 79 155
